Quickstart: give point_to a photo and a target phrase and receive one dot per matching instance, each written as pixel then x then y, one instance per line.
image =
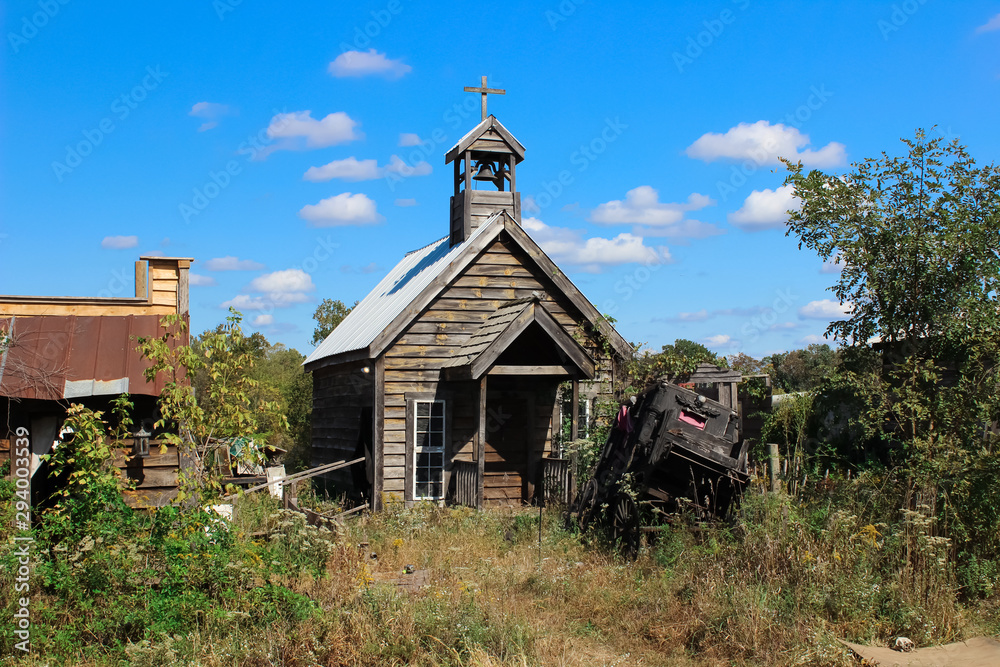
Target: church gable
pixel 500 274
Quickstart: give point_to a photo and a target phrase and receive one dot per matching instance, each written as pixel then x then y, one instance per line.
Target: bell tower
pixel 485 161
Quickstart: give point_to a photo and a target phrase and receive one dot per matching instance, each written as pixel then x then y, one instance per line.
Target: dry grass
pixel 777 587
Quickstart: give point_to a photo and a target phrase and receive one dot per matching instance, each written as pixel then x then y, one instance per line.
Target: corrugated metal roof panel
pixel 68 356
pixel 392 295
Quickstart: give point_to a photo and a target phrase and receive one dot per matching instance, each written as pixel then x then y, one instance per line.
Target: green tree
pixel 802 370
pixel 918 235
pixel 328 316
pixel 230 405
pixel 673 361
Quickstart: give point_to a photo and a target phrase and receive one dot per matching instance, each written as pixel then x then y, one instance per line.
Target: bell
pixel 485 172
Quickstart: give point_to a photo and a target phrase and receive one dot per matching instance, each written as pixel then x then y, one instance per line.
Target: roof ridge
pixel 424 247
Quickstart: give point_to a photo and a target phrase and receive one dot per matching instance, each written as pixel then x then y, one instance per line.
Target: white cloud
pixel 409 139
pixel 342 209
pixel 352 169
pixel 715 341
pixel 699 316
pixel 406 202
pixel 764 143
pixel 361 63
pixel 398 166
pixel 765 209
pixel 826 309
pixel 282 282
pixel 199 280
pixel 263 320
pixel 566 246
pixel 642 207
pixel 832 265
pixel 243 302
pixel 298 130
pixel 528 205
pixel 812 338
pixel 119 242
pixel 230 263
pixel 989 26
pixel 348 169
pixel 211 112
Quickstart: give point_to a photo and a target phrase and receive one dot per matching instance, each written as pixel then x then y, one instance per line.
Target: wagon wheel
pixel 625 525
pixel 586 504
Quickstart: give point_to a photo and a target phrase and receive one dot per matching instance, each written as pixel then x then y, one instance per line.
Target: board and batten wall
pixel 341 396
pixel 412 365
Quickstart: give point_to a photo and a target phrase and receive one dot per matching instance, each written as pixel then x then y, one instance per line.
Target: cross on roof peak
pixel 485 91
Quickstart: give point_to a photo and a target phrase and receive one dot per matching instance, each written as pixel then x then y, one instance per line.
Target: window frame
pixel 413 450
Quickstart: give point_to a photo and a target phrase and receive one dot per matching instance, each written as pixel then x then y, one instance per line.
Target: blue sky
pixel 296 151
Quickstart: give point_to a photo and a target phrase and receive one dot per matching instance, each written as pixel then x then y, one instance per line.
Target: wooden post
pixel 141 272
pixel 773 465
pixel 481 443
pixel 378 434
pixel 574 428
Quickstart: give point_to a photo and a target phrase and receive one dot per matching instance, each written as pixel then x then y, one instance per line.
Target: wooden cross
pixel 485 91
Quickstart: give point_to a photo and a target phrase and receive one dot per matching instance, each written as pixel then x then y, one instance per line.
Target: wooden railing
pixel 466 474
pixel 557 480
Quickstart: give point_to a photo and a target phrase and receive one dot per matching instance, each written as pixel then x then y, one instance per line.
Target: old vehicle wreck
pixel 670 446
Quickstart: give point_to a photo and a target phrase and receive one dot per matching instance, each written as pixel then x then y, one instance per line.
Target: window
pixel 428 450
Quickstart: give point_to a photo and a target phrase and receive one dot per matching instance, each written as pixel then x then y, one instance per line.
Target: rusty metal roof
pixel 55 357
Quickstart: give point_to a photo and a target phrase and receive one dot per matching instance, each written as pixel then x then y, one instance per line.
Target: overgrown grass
pixel 776 586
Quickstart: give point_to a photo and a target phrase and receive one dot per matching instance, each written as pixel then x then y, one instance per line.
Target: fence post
pixel 773 465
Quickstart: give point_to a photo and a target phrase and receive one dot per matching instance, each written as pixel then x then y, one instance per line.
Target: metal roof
pixel 52 357
pixel 392 296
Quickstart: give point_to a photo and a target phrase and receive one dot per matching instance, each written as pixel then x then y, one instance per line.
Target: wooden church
pixel 445 377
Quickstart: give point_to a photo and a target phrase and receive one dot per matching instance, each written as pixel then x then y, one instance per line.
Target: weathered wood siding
pixel 341 395
pixel 413 362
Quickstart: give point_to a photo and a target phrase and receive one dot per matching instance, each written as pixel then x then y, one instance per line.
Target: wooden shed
pixel 446 375
pixel 58 350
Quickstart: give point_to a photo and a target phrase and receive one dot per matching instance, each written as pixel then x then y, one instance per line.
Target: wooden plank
pixel 498 282
pixel 146 478
pixel 447 303
pixel 162 274
pixel 410 375
pixel 442 338
pixel 452 328
pixel 164 299
pixel 416 363
pixel 420 351
pixel 155 458
pixel 500 270
pixel 481 440
pixel 558 371
pixel 183 291
pixel 141 289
